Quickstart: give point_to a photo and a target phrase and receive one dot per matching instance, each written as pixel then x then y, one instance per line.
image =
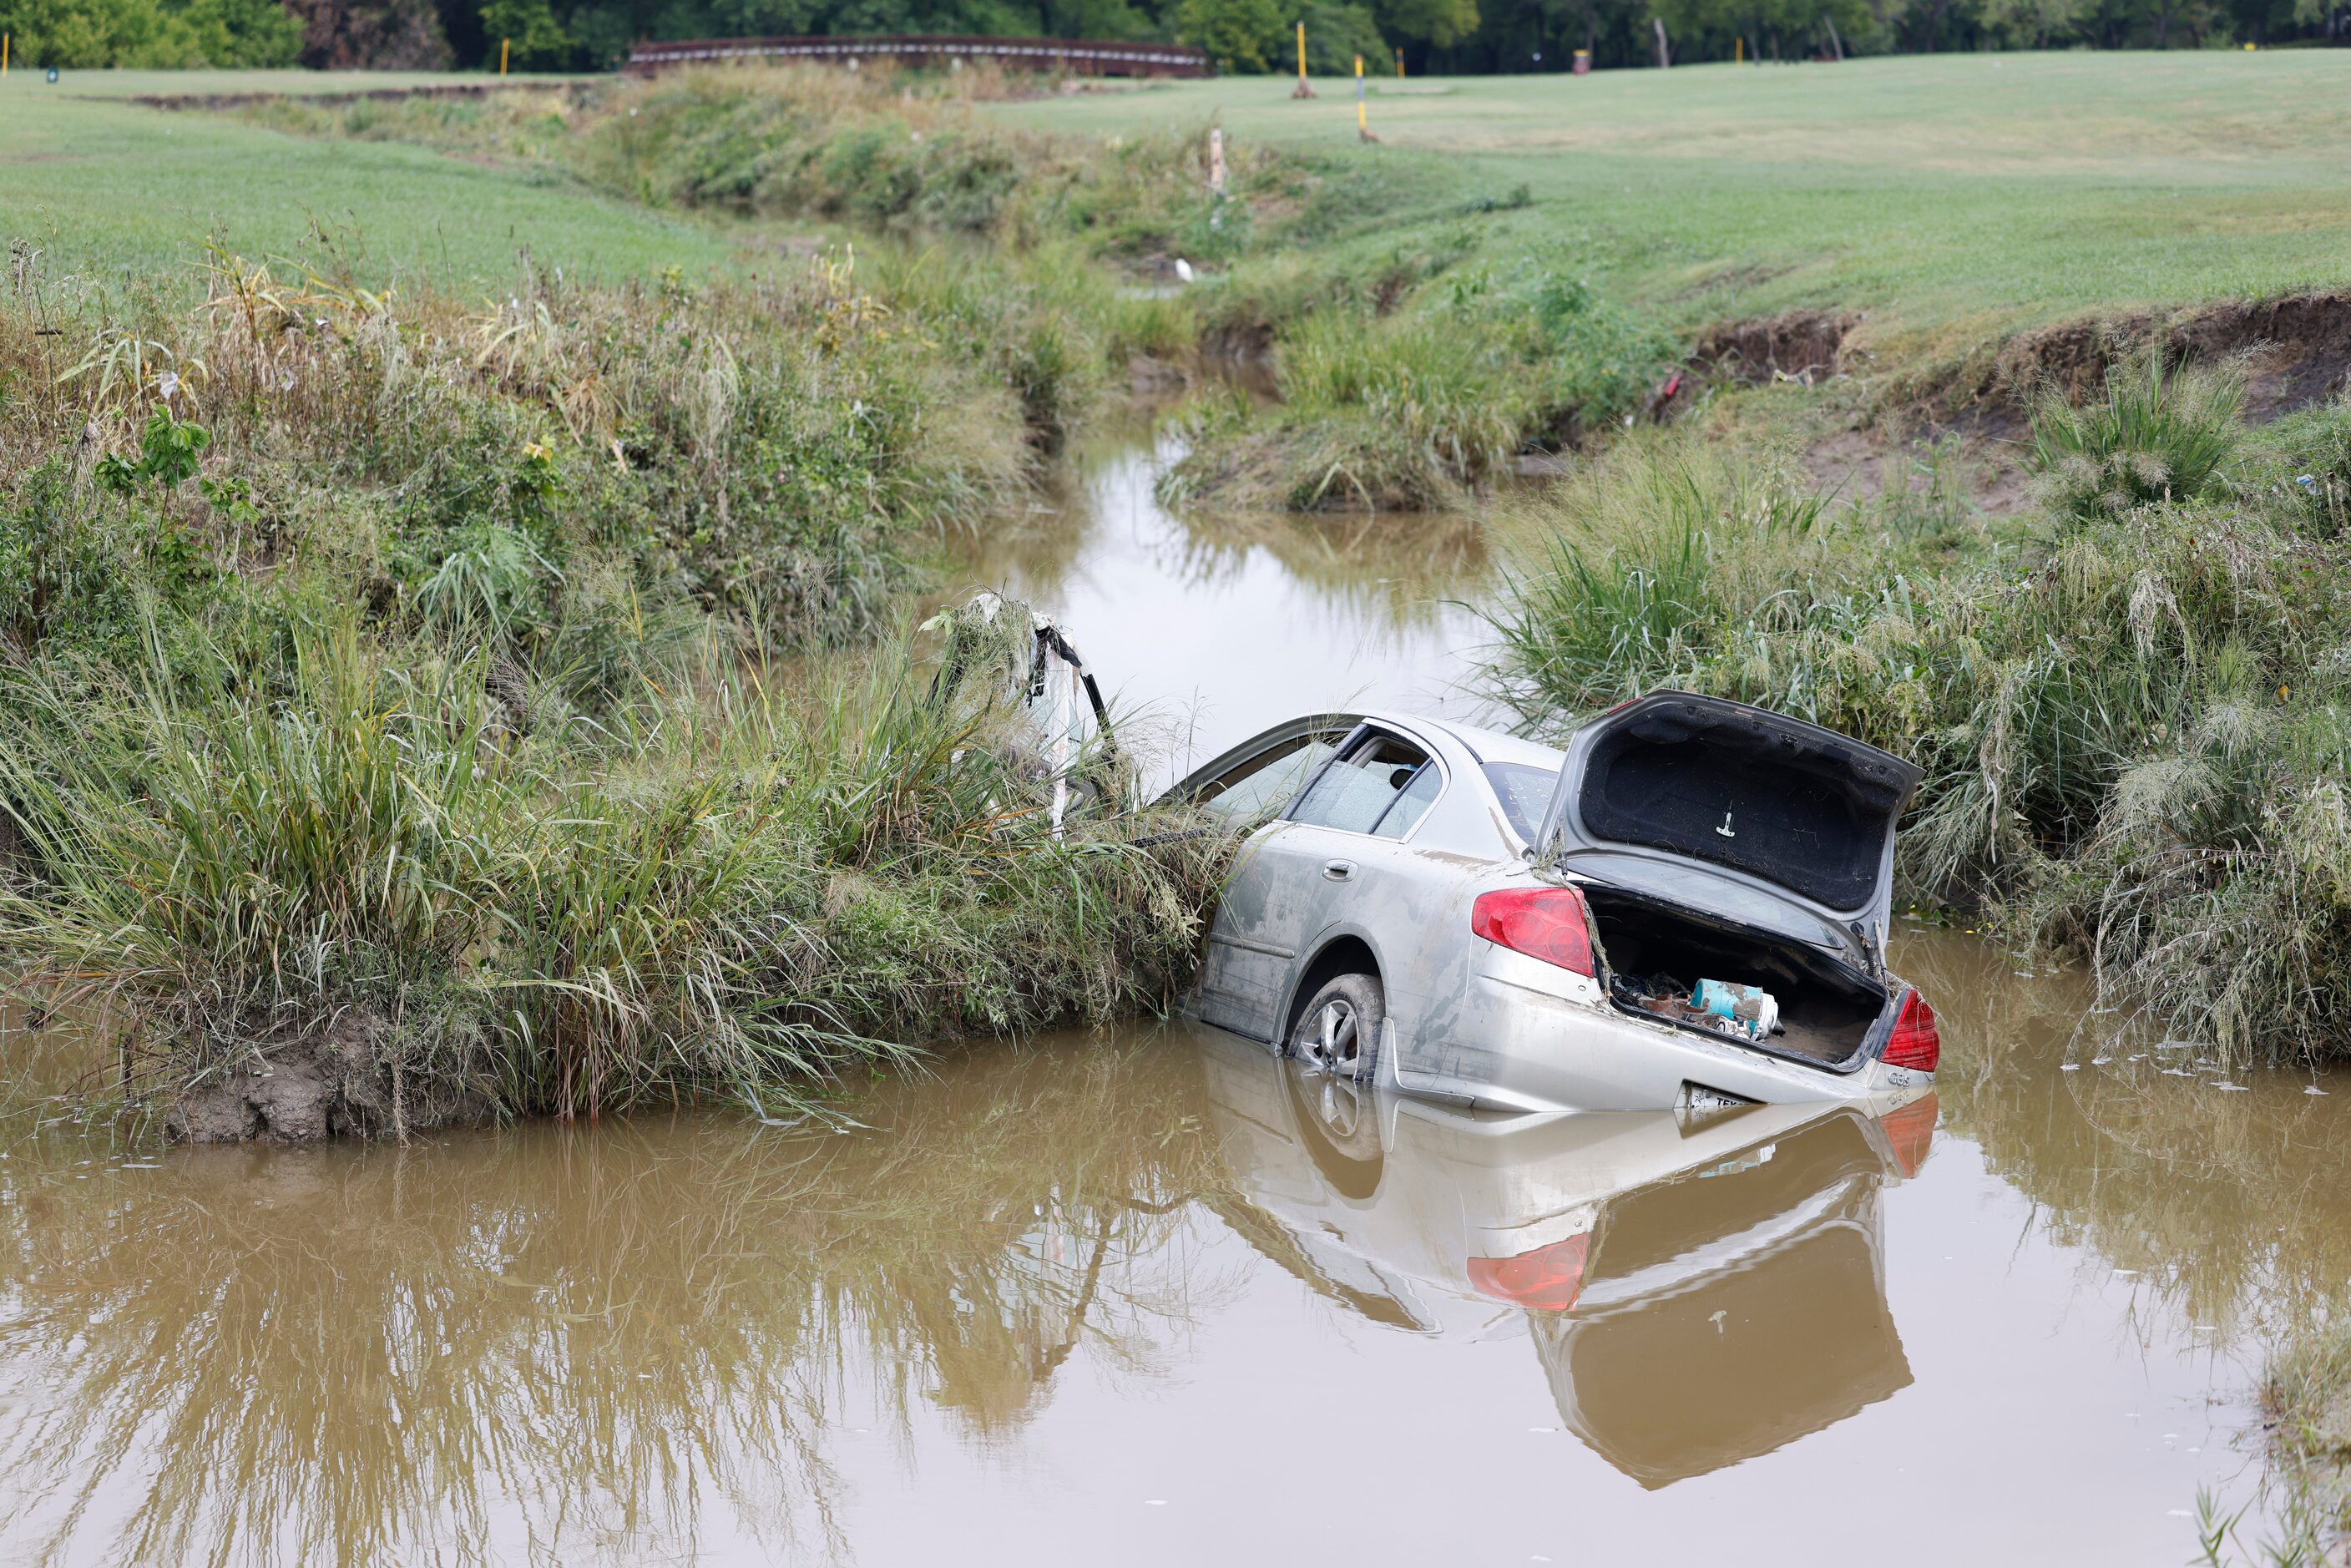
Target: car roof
pixel 1487 745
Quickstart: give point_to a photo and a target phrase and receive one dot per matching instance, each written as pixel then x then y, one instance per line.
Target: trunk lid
pixel 1793 823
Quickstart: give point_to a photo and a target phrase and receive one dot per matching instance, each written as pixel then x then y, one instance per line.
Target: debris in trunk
pixel 1741 1012
pixel 1752 1006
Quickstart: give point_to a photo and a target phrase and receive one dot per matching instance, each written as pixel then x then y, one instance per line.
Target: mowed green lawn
pixel 109 187
pixel 1951 196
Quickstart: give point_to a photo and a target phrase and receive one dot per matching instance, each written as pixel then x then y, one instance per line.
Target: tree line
pixel 1433 36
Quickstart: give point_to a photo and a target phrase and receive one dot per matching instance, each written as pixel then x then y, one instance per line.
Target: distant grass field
pixel 1956 196
pixel 106 185
pixel 1952 198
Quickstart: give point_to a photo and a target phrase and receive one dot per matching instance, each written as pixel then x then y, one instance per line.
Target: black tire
pixel 1339 1028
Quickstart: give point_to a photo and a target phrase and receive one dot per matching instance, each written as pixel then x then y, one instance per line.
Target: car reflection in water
pixel 1699 1290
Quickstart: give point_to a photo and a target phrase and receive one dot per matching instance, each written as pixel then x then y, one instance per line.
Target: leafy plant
pixel 169 450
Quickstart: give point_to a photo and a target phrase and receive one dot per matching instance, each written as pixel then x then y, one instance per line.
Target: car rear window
pixel 1525 793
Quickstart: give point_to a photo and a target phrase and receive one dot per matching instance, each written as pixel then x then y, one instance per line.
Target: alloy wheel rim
pixel 1337 1042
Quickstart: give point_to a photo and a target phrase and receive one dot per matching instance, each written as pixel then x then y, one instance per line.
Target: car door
pixel 1247 962
pixel 1331 862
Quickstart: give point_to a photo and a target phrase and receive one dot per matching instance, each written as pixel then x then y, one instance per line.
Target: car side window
pixel 1411 802
pixel 1262 785
pixel 1369 784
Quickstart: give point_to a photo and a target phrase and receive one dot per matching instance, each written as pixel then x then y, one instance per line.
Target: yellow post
pixel 1742 51
pixel 1302 90
pixel 1363 128
pixel 503 44
pixel 3 53
pixel 1399 63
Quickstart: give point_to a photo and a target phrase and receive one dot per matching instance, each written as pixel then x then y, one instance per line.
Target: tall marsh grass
pixel 2134 713
pixel 412 711
pixel 363 884
pixel 1403 406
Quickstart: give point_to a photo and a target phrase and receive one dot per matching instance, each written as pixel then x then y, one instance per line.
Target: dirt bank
pixel 341 1084
pixel 1797 345
pixel 2295 351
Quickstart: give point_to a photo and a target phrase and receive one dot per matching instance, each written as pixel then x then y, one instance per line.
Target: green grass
pixel 1952 196
pixel 115 188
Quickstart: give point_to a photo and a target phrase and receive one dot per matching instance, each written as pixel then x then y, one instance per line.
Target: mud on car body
pixel 1471 915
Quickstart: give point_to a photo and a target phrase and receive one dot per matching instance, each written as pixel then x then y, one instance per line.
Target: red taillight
pixel 1547 1279
pixel 1547 923
pixel 1915 1041
pixel 1911 1132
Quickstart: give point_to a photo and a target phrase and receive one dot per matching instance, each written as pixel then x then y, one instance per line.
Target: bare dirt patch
pixel 1805 346
pixel 1863 465
pixel 333 1084
pixel 2295 351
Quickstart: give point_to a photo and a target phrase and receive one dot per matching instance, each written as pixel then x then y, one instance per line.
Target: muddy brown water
pixel 1152 1297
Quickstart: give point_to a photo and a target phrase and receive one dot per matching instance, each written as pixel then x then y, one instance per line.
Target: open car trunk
pixel 1658 952
pixel 1717 805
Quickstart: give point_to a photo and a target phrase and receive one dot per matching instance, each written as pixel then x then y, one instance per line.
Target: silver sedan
pixel 1684 909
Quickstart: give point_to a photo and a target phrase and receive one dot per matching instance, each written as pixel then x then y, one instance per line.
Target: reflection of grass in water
pixel 2233 1208
pixel 1389 571
pixel 616 1335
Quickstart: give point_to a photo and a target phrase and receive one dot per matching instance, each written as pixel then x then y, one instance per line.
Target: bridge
pixel 1074 56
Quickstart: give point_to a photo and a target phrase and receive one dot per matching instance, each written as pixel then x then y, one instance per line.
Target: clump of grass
pixel 1376 415
pixel 365 887
pixel 2157 434
pixel 1395 406
pixel 1669 563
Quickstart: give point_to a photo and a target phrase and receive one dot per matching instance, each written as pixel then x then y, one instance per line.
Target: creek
pixel 1153 1296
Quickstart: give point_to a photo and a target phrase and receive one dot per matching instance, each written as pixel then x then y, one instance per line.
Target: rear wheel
pixel 1339 1031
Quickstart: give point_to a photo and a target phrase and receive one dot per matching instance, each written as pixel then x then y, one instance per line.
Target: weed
pixel 2157 434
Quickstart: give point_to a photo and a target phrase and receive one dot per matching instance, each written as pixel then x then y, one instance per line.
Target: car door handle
pixel 1338 870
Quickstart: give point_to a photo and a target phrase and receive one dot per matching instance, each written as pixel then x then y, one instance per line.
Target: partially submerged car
pixel 1686 908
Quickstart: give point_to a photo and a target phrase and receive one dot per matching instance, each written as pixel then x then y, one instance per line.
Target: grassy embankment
pixel 408 705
